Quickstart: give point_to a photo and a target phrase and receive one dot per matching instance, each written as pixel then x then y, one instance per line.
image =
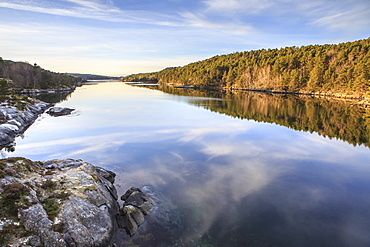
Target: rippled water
pixel 220 180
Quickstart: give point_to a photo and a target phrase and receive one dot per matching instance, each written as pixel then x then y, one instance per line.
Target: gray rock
pixel 34 217
pixel 87 224
pixel 109 187
pixel 82 210
pixel 128 193
pixel 34 241
pixel 166 219
pixel 52 164
pixel 137 198
pixel 36 220
pixel 15 122
pixel 59 111
pixel 136 214
pixel 6 135
pixel 110 176
pixel 136 205
pixel 125 220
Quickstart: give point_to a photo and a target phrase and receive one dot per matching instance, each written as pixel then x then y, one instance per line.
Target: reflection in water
pixel 54 97
pixel 222 181
pixel 328 118
pixel 252 194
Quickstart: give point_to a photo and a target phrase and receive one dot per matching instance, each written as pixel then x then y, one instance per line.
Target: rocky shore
pixel 57 203
pixel 16 115
pixel 356 99
pixel 40 91
pixel 64 203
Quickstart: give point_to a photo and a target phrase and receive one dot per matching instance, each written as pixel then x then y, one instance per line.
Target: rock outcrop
pixel 164 226
pixel 136 206
pixel 64 203
pixel 56 203
pixel 59 111
pixel 15 118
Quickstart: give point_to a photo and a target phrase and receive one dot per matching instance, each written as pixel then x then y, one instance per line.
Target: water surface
pixel 243 179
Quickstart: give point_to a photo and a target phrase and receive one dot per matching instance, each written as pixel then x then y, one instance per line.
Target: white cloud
pixel 228 26
pixel 94 5
pixel 77 33
pixel 110 51
pixel 351 20
pixel 90 10
pixel 237 6
pixel 54 11
pixel 342 15
pixel 221 5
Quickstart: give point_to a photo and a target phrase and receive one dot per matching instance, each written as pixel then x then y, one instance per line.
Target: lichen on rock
pixel 57 203
pixel 64 203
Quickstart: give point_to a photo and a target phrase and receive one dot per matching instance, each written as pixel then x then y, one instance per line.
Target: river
pixel 240 169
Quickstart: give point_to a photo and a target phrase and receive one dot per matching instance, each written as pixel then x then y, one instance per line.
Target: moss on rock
pixel 39 203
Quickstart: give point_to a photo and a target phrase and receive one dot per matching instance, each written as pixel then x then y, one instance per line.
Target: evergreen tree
pixel 336 68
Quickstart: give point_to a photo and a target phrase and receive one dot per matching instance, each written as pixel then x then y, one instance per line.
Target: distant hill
pixel 339 68
pixel 93 77
pixel 26 76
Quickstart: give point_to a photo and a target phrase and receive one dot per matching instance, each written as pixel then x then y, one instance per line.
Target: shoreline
pixel 41 91
pixel 59 202
pixel 18 112
pixel 359 100
pixel 16 119
pixel 355 99
pixel 312 93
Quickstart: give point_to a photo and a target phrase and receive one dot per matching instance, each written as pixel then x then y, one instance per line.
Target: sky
pixel 121 37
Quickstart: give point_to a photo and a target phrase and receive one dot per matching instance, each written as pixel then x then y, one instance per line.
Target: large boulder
pixel 65 203
pixel 57 203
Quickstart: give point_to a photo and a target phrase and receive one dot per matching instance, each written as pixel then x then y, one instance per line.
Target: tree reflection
pixel 329 118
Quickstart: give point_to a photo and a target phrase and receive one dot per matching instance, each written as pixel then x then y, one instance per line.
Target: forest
pixel 335 68
pixel 27 76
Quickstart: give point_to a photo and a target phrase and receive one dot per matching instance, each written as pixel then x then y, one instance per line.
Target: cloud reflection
pixel 295 182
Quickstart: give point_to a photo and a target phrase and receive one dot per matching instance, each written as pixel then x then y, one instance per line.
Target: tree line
pixel 27 76
pixel 336 68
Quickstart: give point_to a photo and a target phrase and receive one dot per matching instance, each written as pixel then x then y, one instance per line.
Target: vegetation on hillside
pixel 338 68
pixel 27 76
pixel 93 76
pixel 12 99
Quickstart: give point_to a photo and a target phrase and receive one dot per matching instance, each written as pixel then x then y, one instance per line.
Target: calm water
pixel 245 180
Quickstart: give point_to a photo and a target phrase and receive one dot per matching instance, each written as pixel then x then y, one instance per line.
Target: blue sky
pixel 112 37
